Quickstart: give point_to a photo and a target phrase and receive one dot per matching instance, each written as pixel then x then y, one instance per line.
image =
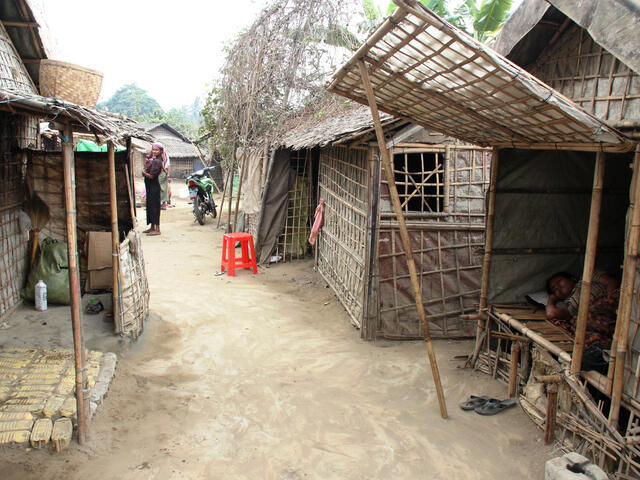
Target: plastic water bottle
pixel 41 296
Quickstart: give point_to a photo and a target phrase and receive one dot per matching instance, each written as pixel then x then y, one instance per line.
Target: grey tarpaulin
pixel 274 205
pixel 542 201
pixel 614 24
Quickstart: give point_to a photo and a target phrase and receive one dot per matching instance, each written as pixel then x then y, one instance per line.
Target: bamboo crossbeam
pixel 540 340
pixel 68 163
pixel 626 297
pixel 417 291
pixel 589 263
pixel 115 234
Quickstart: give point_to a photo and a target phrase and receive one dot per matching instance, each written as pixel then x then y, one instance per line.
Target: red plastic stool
pixel 229 260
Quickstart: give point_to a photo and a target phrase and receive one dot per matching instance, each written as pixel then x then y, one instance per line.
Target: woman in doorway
pixel 151 171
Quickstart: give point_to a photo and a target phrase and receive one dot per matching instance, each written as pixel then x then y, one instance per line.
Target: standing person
pixel 151 172
pixel 165 180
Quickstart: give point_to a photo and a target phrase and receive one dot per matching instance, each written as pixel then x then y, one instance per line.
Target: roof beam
pixel 10 23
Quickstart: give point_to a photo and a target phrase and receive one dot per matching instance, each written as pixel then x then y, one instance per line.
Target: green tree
pixel 132 101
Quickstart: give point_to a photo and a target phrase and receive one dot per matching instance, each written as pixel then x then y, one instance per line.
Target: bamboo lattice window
pixel 420 179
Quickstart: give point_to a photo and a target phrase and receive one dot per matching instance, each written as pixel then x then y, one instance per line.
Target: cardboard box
pixel 99 260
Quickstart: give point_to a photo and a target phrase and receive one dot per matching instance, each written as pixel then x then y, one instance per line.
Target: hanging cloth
pixel 318 220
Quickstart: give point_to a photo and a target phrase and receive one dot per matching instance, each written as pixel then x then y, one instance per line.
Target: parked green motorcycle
pixel 201 193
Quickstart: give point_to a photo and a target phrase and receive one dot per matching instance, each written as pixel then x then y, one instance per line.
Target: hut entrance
pixel 293 241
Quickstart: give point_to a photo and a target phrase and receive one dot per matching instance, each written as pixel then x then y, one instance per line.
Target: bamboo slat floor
pixel 534 318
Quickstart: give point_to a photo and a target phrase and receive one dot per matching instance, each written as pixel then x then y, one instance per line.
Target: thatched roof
pixel 22 26
pixel 175 143
pixel 613 24
pixel 427 71
pixel 108 126
pixel 328 124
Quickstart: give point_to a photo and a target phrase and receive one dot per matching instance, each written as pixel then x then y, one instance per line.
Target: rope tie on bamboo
pixel 65 140
pixel 71 212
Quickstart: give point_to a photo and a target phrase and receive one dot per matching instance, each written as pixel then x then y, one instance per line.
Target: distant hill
pixel 135 103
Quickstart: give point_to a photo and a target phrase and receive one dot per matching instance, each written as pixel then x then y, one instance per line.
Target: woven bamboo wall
pixel 447 246
pixel 12 71
pixel 342 182
pixel 92 194
pixel 16 131
pixel 582 70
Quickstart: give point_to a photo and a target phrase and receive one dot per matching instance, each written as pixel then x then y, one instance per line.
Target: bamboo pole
pixel 241 173
pixel 233 167
pixel 68 163
pixel 552 408
pixel 626 298
pixel 224 194
pixel 115 234
pixel 404 234
pixel 134 220
pixel 488 248
pixel 513 369
pixel 589 263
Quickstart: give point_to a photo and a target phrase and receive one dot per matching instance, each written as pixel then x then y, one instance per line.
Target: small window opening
pixel 420 181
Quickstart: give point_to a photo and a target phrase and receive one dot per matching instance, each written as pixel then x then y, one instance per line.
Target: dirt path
pixel 262 377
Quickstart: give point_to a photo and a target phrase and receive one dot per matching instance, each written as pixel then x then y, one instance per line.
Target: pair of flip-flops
pixel 484 405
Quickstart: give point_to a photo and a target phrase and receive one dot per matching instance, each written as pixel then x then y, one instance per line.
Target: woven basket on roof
pixel 70 82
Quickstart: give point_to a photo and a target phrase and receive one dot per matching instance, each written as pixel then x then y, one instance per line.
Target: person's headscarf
pixel 163 154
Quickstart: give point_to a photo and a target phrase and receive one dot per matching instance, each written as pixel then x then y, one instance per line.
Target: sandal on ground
pixel 473 401
pixel 153 233
pixel 147 230
pixel 493 406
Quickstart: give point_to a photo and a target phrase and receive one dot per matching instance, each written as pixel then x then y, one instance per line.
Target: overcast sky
pixel 171 49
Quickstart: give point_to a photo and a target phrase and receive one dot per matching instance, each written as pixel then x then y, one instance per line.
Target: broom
pixel 38 212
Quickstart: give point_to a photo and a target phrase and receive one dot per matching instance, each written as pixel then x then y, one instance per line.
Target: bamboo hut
pixel 561 196
pixel 442 187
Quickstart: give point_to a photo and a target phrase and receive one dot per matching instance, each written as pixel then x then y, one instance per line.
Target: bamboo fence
pixel 447 240
pixel 341 247
pixel 14 238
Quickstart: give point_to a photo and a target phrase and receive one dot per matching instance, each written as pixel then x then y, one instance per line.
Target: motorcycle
pixel 201 193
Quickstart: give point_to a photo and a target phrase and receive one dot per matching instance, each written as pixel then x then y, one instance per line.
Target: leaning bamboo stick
pixel 626 299
pixel 68 163
pixel 589 263
pixel 115 234
pixel 404 234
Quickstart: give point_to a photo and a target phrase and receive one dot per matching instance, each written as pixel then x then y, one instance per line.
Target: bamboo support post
pixel 68 162
pixel 231 173
pixel 134 220
pixel 589 263
pixel 552 409
pixel 626 297
pixel 488 245
pixel 115 234
pixel 241 174
pixel 404 234
pixel 224 194
pixel 513 369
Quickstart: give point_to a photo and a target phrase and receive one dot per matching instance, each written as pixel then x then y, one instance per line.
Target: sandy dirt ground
pixel 263 377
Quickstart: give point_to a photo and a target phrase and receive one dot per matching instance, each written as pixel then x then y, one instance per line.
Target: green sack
pixel 52 267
